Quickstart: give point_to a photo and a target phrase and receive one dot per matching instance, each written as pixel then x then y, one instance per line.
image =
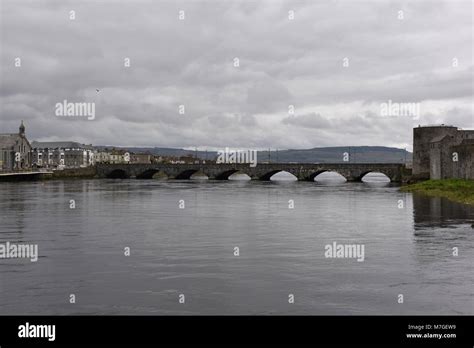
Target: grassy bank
pixel 457 190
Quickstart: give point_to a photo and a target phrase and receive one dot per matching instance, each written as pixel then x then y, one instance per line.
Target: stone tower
pixel 422 138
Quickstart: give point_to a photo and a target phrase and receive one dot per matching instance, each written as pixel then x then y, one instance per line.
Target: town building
pixel 120 156
pixel 102 156
pixel 442 152
pixel 141 158
pixel 112 156
pixel 62 154
pixel 15 151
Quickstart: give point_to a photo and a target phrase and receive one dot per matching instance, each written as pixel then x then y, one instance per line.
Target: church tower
pixel 22 129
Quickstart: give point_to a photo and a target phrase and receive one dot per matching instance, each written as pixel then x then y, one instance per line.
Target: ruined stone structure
pixel 443 152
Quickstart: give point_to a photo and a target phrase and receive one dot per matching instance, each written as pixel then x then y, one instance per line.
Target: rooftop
pixel 437 126
pixel 58 145
pixel 9 140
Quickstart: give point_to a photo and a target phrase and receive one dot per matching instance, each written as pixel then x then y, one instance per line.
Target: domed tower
pixel 22 129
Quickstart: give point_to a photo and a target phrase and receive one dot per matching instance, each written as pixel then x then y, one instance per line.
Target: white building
pixel 62 154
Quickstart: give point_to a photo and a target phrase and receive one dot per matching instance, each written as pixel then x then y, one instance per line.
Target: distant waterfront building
pixel 120 156
pixel 189 159
pixel 157 159
pixel 62 154
pixel 15 151
pixel 442 152
pixel 113 156
pixel 102 156
pixel 140 158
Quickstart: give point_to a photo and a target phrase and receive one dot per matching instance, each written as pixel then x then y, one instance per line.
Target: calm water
pixel 190 251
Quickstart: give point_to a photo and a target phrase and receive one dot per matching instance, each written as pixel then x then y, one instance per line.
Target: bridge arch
pixel 118 174
pixel 152 173
pixel 369 173
pixel 187 174
pixel 267 176
pixel 240 176
pixel 331 175
pixel 225 175
pixel 314 174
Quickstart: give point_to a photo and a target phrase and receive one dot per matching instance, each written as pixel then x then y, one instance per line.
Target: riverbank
pixel 76 173
pixel 70 173
pixel 25 176
pixel 457 190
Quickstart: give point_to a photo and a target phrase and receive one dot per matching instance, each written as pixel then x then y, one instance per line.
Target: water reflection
pixel 440 212
pixel 375 177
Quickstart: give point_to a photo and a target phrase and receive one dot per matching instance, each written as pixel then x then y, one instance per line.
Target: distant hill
pixel 360 154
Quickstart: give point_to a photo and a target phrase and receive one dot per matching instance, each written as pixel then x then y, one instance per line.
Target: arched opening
pixel 198 175
pixel 152 174
pixel 118 174
pixel 233 174
pixel 192 174
pixel 375 178
pixel 160 175
pixel 328 177
pixel 186 174
pixel 279 175
pixel 268 175
pixel 239 176
pixel 225 175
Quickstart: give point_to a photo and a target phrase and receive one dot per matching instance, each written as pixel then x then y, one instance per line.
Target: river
pixel 183 238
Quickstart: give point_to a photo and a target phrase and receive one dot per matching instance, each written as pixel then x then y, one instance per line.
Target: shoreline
pixel 456 190
pixel 69 173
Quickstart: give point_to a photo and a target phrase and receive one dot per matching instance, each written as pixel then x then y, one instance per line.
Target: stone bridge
pixel 396 172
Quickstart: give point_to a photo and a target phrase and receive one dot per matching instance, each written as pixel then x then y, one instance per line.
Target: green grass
pixel 457 190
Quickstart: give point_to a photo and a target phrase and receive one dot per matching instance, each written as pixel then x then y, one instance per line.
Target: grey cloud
pixel 312 120
pixel 189 62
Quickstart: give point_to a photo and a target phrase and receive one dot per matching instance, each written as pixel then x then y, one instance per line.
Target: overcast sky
pixel 422 54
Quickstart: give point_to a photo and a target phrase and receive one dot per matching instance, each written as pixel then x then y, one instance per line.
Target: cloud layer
pixel 402 51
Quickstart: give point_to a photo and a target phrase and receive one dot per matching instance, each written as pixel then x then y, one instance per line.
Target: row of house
pixel 62 154
pixel 17 153
pixel 119 156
